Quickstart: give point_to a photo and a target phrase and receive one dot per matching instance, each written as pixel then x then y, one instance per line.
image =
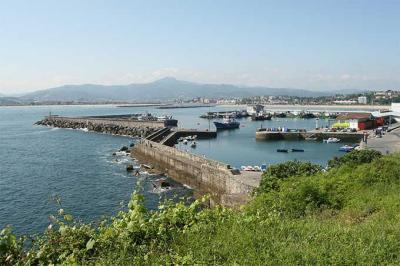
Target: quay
pixel 389 143
pixel 303 134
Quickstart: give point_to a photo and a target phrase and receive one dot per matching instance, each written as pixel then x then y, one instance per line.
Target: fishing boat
pixel 227 123
pixel 282 150
pixel 346 148
pixel 331 140
pixel 297 150
pixel 260 117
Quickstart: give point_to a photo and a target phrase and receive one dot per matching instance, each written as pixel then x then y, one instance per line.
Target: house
pixel 358 121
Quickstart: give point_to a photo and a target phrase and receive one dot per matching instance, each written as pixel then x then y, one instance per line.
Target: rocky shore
pixel 114 128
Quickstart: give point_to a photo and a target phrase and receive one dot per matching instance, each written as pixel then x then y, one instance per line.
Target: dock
pixel 302 135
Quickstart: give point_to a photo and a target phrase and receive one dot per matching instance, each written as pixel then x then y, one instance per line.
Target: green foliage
pixel 11 248
pixel 270 178
pixel 348 215
pixel 355 157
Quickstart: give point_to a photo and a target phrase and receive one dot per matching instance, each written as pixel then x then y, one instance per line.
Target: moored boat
pixel 227 123
pixel 331 140
pixel 297 150
pixel 282 150
pixel 346 148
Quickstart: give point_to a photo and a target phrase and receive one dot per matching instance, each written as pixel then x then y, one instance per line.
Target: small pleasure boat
pixel 346 148
pixel 282 150
pixel 297 150
pixel 331 140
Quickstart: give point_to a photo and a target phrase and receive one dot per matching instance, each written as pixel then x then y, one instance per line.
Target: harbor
pixel 185 151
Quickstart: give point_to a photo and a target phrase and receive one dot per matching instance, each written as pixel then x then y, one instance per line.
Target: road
pixel 389 143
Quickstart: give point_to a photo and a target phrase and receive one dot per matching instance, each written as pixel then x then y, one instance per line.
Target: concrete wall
pixel 204 175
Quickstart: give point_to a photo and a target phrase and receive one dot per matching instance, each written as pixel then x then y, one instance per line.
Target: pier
pixel 302 135
pixel 225 185
pixel 125 125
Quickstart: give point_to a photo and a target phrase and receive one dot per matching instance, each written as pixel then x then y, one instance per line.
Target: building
pixel 358 121
pixel 362 100
pixel 344 102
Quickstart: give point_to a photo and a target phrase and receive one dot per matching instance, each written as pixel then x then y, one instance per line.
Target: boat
pixel 185 141
pixel 282 150
pixel 257 168
pixel 311 139
pixel 227 123
pixel 247 168
pixel 346 148
pixel 331 140
pixel 297 150
pixel 260 117
pixel 193 145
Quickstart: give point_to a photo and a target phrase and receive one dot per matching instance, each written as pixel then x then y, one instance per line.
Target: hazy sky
pixel 302 44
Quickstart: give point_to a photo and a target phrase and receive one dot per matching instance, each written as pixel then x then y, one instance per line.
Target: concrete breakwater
pixel 114 126
pixel 205 176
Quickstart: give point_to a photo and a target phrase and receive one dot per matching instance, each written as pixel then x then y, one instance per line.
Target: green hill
pixel 349 214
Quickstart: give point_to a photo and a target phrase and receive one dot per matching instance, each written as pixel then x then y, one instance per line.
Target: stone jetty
pixel 110 125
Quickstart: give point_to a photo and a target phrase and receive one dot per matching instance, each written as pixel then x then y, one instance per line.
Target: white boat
pixel 346 148
pixel 164 117
pixel 311 138
pixel 193 145
pixel 331 140
pixel 185 141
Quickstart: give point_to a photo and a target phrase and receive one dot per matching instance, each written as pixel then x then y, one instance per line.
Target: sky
pixel 318 45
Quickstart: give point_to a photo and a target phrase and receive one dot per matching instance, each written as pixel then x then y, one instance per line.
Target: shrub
pixel 354 157
pixel 270 178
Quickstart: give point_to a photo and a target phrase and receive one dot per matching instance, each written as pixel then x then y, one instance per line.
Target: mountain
pixel 164 89
pixel 10 101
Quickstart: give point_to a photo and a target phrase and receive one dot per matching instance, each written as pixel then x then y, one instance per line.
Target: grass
pixel 348 215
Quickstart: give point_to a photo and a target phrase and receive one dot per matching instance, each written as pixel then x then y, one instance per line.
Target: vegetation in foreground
pixel 349 214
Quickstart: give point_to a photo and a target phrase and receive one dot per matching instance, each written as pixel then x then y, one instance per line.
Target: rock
pixel 132 145
pixel 124 148
pixel 165 184
pixel 129 168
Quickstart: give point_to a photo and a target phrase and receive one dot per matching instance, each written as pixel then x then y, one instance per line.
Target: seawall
pixel 205 176
pixel 114 126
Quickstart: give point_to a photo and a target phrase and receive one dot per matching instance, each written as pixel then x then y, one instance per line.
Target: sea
pixel 43 169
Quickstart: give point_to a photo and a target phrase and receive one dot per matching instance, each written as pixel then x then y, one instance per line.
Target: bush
pixel 270 178
pixel 355 157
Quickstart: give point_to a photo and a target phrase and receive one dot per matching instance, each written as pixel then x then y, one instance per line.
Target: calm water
pixel 39 163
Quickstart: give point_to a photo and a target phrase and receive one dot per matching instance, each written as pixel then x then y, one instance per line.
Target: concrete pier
pixel 320 135
pixel 204 175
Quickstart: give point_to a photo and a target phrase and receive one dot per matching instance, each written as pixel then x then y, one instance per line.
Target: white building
pixel 362 100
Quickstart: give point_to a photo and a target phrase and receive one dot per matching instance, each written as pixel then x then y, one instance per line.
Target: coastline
pixel 310 107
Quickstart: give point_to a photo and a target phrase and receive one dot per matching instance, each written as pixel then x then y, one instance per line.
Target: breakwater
pixel 108 125
pixel 225 186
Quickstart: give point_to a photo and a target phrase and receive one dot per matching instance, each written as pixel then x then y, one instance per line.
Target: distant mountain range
pixel 163 89
pixel 160 90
